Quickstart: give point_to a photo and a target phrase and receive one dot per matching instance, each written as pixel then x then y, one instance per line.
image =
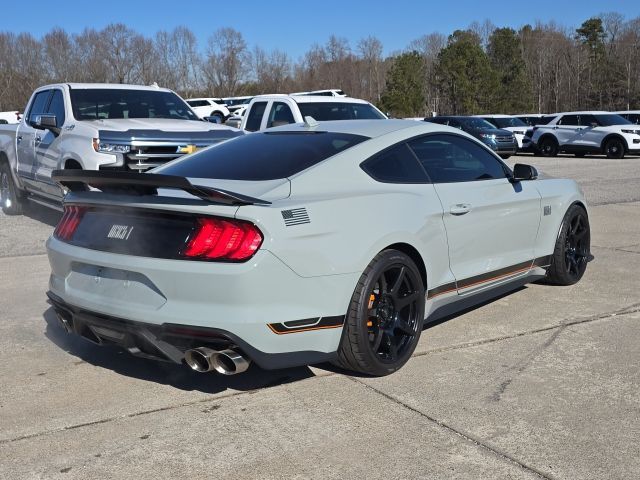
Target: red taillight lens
pixel 69 222
pixel 218 239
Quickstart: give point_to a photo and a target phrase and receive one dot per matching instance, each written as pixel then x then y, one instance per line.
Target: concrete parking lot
pixel 541 383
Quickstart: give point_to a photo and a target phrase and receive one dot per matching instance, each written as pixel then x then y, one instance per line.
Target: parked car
pixel 95 127
pixel 533 119
pixel 208 107
pixel 236 103
pixel 10 117
pixel 584 133
pixel 267 111
pixel 332 92
pixel 512 124
pixel 502 142
pixel 274 257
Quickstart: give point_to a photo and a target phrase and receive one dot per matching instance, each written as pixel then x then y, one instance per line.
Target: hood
pixel 161 124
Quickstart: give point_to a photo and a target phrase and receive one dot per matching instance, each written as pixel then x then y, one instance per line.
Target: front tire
pixel 572 250
pixel 614 148
pixel 218 116
pixel 10 197
pixel 385 316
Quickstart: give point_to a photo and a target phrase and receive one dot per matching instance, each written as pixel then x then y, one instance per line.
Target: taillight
pixel 69 222
pixel 218 239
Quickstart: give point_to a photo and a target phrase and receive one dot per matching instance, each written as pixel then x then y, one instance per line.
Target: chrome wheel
pixel 5 192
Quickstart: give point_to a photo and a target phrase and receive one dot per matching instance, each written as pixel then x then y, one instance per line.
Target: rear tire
pixel 385 316
pixel 549 147
pixel 614 148
pixel 11 198
pixel 218 116
pixel 572 250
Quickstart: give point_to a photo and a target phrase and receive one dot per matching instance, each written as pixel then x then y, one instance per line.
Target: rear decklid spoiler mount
pixel 133 183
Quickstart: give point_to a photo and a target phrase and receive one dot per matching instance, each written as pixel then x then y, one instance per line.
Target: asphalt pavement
pixel 540 383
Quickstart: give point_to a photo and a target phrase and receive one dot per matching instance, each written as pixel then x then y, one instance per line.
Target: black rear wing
pixel 132 183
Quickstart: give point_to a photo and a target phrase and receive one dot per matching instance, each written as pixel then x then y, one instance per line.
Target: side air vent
pixel 295 216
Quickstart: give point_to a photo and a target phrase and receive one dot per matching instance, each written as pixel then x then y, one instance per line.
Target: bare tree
pixel 228 61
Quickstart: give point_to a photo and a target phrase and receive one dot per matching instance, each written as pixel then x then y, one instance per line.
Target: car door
pixel 279 114
pixel 48 150
pixel 567 129
pixel 591 134
pixel 491 223
pixel 27 138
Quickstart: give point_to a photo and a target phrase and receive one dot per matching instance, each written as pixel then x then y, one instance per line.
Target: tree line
pixel 544 67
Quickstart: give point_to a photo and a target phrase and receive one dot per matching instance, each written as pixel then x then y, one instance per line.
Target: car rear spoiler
pixel 133 183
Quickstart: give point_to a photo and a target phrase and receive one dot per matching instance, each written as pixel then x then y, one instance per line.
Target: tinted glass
pixel 262 156
pixel 38 105
pixel 506 122
pixel 56 107
pixel 439 120
pixel 339 111
pixel 612 119
pixel 280 114
pixel 569 120
pixel 96 104
pixel 545 120
pixel 633 117
pixel 587 120
pixel 395 165
pixel 451 158
pixel 255 116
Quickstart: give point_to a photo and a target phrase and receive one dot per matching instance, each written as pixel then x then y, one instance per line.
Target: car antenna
pixel 310 122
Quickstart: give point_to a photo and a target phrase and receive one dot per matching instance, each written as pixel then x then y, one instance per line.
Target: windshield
pixel 99 104
pixel 507 122
pixel 323 111
pixel 262 156
pixel 476 123
pixel 611 119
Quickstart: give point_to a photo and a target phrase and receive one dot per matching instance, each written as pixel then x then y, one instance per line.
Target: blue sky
pixel 293 26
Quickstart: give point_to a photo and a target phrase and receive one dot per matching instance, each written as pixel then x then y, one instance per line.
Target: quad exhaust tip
pixel 226 362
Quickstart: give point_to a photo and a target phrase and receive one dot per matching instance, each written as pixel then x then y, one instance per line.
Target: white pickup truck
pixel 266 111
pixel 95 127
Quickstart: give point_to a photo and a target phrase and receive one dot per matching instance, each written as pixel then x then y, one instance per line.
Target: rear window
pixel 323 111
pixel 506 122
pixel 262 156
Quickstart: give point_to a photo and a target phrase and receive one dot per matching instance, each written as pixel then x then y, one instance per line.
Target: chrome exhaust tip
pixel 230 362
pixel 64 322
pixel 199 359
pixel 225 362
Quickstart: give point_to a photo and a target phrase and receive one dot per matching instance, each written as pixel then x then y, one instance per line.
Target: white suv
pixel 208 107
pixel 581 133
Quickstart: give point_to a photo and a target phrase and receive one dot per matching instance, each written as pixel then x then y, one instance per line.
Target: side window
pixel 56 107
pixel 587 120
pixel 280 114
pixel 395 165
pixel 254 117
pixel 634 118
pixel 451 158
pixel 569 120
pixel 38 106
pixel 492 121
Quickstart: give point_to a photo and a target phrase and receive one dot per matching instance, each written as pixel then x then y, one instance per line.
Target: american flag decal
pixel 295 216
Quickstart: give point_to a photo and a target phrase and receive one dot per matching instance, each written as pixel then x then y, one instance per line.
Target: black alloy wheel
pixel 549 147
pixel 614 148
pixel 386 316
pixel 573 248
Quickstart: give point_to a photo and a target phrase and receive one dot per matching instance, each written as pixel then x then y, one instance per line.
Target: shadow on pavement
pixel 178 376
pixel 42 214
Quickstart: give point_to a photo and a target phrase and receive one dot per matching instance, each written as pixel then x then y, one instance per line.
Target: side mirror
pixel 214 119
pixel 523 172
pixel 46 122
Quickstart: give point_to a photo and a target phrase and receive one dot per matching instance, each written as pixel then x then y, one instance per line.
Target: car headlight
pixel 635 132
pixel 104 147
pixel 490 136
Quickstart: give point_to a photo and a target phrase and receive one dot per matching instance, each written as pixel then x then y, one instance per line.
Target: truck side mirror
pixel 46 121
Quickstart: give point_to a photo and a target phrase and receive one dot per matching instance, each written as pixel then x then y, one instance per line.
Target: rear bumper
pixel 168 342
pixel 260 305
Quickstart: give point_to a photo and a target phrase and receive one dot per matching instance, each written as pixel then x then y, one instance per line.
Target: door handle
pixel 37 140
pixel 18 139
pixel 460 209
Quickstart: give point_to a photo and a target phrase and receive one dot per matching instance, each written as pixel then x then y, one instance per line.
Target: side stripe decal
pixel 306 325
pixel 489 276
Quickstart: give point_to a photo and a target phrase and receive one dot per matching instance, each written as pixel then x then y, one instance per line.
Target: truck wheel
pixel 614 148
pixel 218 116
pixel 572 250
pixel 549 147
pixel 385 316
pixel 10 196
